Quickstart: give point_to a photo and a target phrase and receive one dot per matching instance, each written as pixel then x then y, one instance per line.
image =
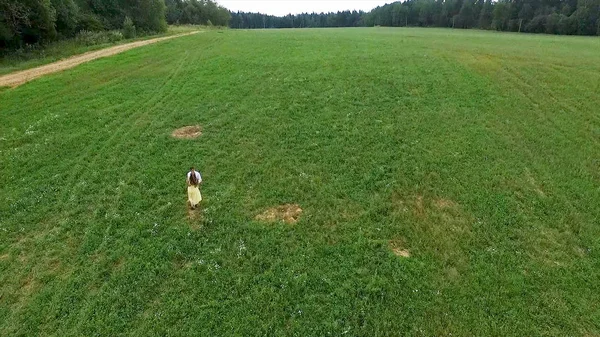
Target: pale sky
pixel 284 7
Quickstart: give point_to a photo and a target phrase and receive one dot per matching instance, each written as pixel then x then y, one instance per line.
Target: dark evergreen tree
pixel 485 16
pixel 536 16
pixel 466 15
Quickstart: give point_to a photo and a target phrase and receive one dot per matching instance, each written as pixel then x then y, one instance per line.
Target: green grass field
pixel 476 152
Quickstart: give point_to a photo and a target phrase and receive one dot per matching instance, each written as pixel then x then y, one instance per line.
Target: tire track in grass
pixel 152 107
pixel 564 121
pixel 529 88
pixel 177 85
pixel 68 189
pixel 59 105
pixel 91 156
pixel 177 88
pixel 121 140
pixel 86 92
pixel 562 126
pixel 73 190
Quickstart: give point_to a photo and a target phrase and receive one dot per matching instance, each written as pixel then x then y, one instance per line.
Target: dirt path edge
pixel 16 79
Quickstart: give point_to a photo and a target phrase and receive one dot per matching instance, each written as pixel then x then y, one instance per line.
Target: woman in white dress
pixel 193 181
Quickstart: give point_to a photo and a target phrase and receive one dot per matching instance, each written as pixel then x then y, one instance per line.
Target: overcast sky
pixel 284 7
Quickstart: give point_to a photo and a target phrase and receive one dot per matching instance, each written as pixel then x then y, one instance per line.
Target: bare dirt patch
pixel 289 213
pixel 445 203
pixel 21 77
pixel 188 132
pixel 399 251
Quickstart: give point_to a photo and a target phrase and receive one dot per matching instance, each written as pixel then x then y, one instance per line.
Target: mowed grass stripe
pixel 111 125
pixel 444 143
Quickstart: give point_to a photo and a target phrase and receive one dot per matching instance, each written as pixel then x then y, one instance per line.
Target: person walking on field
pixel 193 181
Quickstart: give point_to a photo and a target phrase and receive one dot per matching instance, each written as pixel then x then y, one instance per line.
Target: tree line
pixel 30 22
pixel 196 12
pixel 569 17
pixel 244 20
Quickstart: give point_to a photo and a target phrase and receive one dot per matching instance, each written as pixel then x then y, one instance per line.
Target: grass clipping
pixel 289 213
pixel 188 132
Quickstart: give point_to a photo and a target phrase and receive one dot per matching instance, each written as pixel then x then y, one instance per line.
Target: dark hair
pixel 193 178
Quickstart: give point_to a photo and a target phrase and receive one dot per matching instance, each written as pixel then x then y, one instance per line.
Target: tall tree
pixel 466 15
pixel 500 16
pixel 485 16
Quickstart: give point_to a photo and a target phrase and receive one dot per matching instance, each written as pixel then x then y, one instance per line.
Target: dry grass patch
pixel 580 252
pixel 194 216
pixel 118 263
pixel 419 209
pixel 54 265
pixel 444 203
pixel 288 213
pixel 29 285
pixel 399 250
pixel 422 207
pixel 442 222
pixel 188 132
pixel 451 274
pixel 536 187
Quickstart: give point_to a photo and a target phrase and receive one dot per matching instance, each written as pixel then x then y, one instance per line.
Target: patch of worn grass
pixel 289 214
pixel 475 152
pixel 187 132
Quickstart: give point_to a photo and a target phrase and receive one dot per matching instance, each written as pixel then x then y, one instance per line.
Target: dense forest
pixel 570 17
pixel 31 22
pixel 35 22
pixel 196 12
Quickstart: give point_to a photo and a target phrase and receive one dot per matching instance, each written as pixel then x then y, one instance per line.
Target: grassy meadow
pixel 475 153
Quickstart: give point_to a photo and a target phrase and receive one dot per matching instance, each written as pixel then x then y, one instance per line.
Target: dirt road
pixel 20 77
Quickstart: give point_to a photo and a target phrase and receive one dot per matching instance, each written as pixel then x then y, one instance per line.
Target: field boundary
pixel 21 77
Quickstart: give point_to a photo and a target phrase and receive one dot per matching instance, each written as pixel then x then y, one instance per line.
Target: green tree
pixel 500 16
pixel 567 25
pixel 525 15
pixel 466 15
pixel 26 21
pixel 585 16
pixel 173 11
pixel 537 24
pixel 67 17
pixel 552 22
pixel 129 30
pixel 148 15
pixel 14 15
pixel 485 16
